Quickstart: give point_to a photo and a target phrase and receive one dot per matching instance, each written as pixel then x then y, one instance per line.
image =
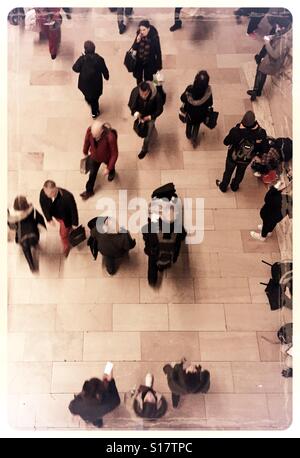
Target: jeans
pixel 94 104
pixel 143 72
pixel 230 166
pixel 192 131
pixel 64 234
pixel 151 126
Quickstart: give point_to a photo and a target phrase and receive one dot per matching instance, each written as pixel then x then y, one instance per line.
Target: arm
pixel 104 70
pixel 74 211
pixel 78 64
pixel 39 219
pixel 87 144
pixel 133 100
pixel 159 107
pixel 113 146
pixel 157 51
pixel 44 203
pixel 231 137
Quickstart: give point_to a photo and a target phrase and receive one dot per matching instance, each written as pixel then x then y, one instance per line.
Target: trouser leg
pixel 188 130
pixel 175 400
pixel 94 167
pixel 64 234
pixel 94 104
pixel 239 175
pixel 147 139
pixel 54 37
pixel 229 169
pixel 26 247
pixel 177 14
pixel 148 74
pixel 268 226
pixel 110 264
pixel 195 132
pixel 152 270
pixel 260 79
pixel 139 73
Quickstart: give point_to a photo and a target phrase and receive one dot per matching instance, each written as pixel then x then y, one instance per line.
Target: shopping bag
pixel 77 236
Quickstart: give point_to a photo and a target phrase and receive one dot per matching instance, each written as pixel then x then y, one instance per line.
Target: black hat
pixel 249 119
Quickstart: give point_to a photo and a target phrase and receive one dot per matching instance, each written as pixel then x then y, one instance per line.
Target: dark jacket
pixel 25 223
pixel 104 150
pixel 272 209
pixel 149 232
pixel 154 62
pixel 91 67
pixel 152 106
pixel 64 207
pixel 111 245
pixel 197 109
pixel 160 408
pixel 92 409
pixel 255 135
pixel 179 385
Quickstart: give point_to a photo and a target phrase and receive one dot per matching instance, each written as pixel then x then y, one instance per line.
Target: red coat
pixel 105 151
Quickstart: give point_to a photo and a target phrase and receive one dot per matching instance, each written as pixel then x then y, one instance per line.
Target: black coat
pixel 200 383
pixel 25 223
pixel 92 409
pixel 271 212
pixel 152 106
pixel 197 109
pixel 91 67
pixel 64 207
pixel 256 135
pixel 154 61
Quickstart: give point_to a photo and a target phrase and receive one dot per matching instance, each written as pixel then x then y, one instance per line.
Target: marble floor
pixel 66 322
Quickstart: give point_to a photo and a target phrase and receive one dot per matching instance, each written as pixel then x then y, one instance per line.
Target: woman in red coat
pixel 101 141
pixel 49 20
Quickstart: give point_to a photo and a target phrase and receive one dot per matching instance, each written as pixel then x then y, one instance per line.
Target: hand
pixel 108 377
pixel 105 171
pixel 136 115
pixel 138 38
pixel 147 118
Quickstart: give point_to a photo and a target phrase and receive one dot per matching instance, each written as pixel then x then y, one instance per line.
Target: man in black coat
pixel 146 105
pixel 244 141
pixel 58 203
pixel 91 67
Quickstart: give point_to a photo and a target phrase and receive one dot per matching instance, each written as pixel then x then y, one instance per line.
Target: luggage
pixel 85 165
pixel 211 119
pixel 130 60
pixel 77 236
pixel 141 128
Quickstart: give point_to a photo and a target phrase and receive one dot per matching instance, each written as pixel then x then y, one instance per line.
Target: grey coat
pixel 277 50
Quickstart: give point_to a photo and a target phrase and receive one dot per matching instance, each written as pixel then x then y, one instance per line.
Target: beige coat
pixel 277 51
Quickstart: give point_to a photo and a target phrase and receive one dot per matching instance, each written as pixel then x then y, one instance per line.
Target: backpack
pixel 166 250
pixel 244 152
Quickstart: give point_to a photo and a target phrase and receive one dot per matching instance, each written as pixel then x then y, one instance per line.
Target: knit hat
pixel 249 119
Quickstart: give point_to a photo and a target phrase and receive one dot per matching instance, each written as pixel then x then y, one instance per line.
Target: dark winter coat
pixel 238 133
pixel 104 150
pixel 63 207
pixel 197 109
pixel 178 384
pixel 93 409
pixel 152 106
pixel 25 223
pixel 272 209
pixel 154 61
pixel 91 68
pixel 161 405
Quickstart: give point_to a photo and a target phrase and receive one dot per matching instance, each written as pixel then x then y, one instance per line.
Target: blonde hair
pixel 97 128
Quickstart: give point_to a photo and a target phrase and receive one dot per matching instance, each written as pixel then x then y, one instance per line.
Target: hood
pixel 199 102
pixel 15 216
pixel 153 89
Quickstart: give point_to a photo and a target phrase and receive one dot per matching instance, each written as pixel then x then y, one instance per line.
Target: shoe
pixel 257 174
pixel 68 16
pixel 177 25
pixel 149 380
pixel 111 175
pixel 142 154
pixel 53 56
pixel 253 94
pixel 95 115
pixel 257 236
pixel 260 226
pixel 66 252
pixel 122 28
pixel 86 195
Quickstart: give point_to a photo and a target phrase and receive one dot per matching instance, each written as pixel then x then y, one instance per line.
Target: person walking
pixel 271 58
pixel 244 141
pixel 148 403
pixel 25 219
pixel 123 13
pixel 49 20
pixel 96 399
pixel 198 100
pixel 109 240
pixel 146 105
pixel 177 21
pixel 101 141
pixel 185 378
pixel 148 52
pixel 91 68
pixel 59 204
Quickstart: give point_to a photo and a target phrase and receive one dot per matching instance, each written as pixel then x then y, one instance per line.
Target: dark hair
pixel 144 23
pixel 89 47
pixel 144 86
pixel 49 184
pixel 191 378
pixel 200 84
pixel 93 388
pixel 20 203
pixel 149 410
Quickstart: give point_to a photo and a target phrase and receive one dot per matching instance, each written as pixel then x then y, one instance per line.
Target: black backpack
pixel 166 250
pixel 244 152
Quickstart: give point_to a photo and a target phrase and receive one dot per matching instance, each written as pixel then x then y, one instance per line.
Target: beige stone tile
pixel 197 179
pixel 196 317
pixel 257 291
pixel 221 380
pixel 52 291
pixel 179 290
pixel 224 75
pixel 32 161
pixel 226 346
pixel 200 159
pixel 221 290
pixel 11 414
pixel 251 199
pixel 52 346
pixel 212 198
pixel 112 346
pixel 161 160
pixel 140 317
pixel 263 377
pixel 69 377
pixel 280 409
pixel 112 290
pixel 19 291
pixel 220 242
pixel 93 317
pixel 242 410
pixel 196 265
pixel 233 219
pixel 31 318
pixel 49 78
pixel 15 346
pixel 243 264
pixel 169 346
pixel 29 377
pixel 253 246
pixel 252 317
pixel 269 349
pixel 232 60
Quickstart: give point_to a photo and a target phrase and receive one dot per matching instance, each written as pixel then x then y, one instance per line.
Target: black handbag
pixel 141 128
pixel 211 119
pixel 85 164
pixel 130 60
pixel 77 236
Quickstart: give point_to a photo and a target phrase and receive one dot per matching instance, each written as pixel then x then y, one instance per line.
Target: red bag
pixel 270 177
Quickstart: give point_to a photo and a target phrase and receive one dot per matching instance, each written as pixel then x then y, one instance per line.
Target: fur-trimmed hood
pixel 198 102
pixel 16 216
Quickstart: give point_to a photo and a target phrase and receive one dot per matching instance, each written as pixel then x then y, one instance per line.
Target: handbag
pixel 77 236
pixel 211 119
pixel 130 60
pixel 85 165
pixel 141 128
